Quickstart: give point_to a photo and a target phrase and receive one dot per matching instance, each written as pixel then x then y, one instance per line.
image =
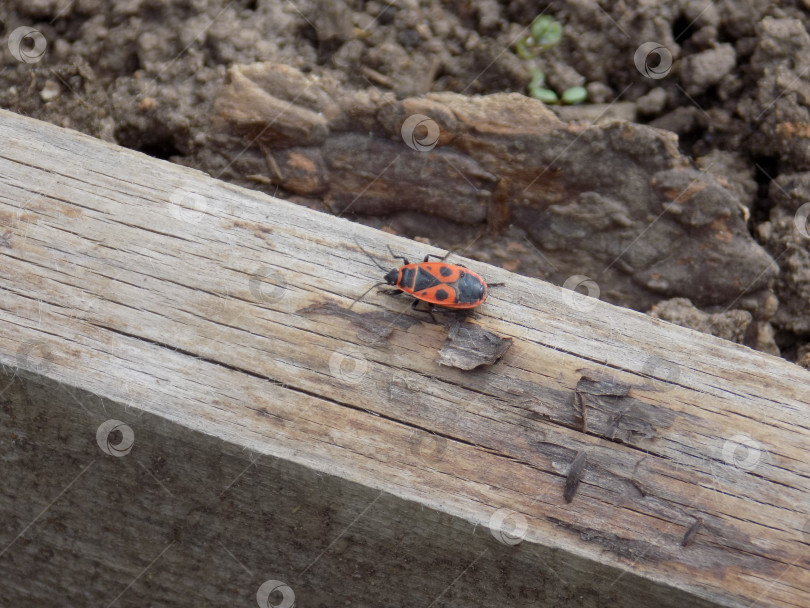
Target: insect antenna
pixel 365 293
pixel 370 257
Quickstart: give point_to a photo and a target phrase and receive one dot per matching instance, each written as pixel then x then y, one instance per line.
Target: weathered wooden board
pixel 276 436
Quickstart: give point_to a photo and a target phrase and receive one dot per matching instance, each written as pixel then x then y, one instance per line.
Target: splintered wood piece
pixel 469 346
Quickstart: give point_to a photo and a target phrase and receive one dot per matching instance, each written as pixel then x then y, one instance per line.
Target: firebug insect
pixel 449 286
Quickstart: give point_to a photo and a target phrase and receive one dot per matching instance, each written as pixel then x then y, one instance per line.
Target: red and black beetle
pixel 449 286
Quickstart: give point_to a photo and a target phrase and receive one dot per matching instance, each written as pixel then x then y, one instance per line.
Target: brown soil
pixel 146 74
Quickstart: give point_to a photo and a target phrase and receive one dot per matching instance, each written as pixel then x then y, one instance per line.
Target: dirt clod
pixel 729 325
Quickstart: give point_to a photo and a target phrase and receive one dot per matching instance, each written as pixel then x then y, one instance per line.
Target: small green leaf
pixel 545 95
pixel 574 95
pixel 546 31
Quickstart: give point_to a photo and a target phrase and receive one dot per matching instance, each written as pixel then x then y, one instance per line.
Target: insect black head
pixel 392 277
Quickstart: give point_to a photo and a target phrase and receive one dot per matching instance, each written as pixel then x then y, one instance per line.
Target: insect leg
pixel 441 258
pixel 429 310
pixel 397 257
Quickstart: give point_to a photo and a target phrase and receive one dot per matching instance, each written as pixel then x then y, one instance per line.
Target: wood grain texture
pixel 217 316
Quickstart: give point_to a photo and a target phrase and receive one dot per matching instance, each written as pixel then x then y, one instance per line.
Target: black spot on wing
pixel 424 280
pixel 445 271
pixel 441 295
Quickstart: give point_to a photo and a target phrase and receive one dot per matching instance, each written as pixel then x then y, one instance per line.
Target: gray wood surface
pixel 276 436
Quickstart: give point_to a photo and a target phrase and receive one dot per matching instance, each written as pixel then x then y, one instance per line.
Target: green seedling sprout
pixel 546 32
pixel 522 48
pixel 538 90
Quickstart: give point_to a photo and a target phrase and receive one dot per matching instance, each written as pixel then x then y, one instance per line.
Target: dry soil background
pixel 146 74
